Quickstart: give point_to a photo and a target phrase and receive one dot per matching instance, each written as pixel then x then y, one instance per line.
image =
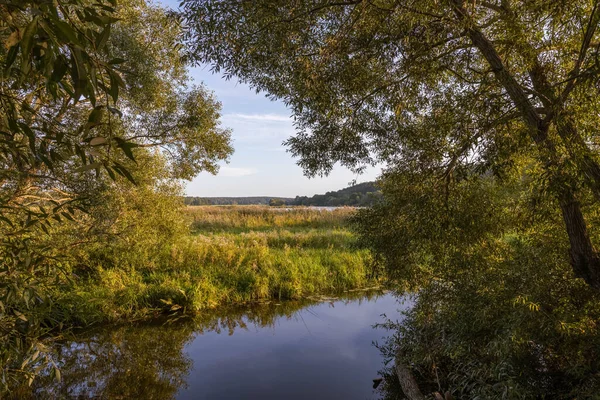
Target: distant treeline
pixel 224 201
pixel 360 195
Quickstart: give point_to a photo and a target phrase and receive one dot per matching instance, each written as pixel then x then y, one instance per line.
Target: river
pixel 314 349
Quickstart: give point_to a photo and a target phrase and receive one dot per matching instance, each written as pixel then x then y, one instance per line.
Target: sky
pixel 260 164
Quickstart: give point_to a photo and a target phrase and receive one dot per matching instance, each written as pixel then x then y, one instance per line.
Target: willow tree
pixel 92 95
pixel 430 85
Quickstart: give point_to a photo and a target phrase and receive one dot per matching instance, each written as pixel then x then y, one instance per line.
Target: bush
pixel 498 311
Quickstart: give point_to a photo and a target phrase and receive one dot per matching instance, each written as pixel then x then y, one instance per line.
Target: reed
pixel 231 255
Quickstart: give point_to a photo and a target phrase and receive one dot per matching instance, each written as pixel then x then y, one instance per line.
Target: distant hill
pixel 223 201
pixel 361 195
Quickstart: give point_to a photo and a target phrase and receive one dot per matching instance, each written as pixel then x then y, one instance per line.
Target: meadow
pixel 229 255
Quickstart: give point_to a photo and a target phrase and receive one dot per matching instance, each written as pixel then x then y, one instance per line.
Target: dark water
pixel 292 350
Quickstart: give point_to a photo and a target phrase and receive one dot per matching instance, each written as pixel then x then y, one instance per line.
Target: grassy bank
pixel 230 255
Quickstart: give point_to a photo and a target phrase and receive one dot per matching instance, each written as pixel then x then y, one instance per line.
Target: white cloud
pixel 234 172
pixel 268 130
pixel 259 117
pixel 271 149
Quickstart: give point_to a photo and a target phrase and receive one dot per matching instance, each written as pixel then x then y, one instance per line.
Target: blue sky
pixel 260 165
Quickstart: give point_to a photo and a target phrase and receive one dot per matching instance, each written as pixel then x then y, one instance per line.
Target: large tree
pixel 429 85
pixel 93 95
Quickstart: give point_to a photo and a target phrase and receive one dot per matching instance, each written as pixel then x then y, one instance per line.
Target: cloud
pixel 264 129
pixel 259 117
pixel 234 172
pixel 272 149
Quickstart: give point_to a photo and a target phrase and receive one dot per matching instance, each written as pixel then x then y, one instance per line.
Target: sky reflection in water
pixel 294 350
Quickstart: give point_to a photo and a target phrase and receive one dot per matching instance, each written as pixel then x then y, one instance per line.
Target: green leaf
pixel 115 82
pixel 126 147
pixel 121 170
pixel 26 46
pixel 115 111
pixel 102 37
pixel 57 373
pixel 110 172
pixel 79 74
pixel 27 39
pixel 67 216
pixel 46 161
pixel 30 135
pixel 64 31
pixel 8 221
pixel 117 61
pixel 79 151
pixel 96 115
pixel 11 56
pixel 59 69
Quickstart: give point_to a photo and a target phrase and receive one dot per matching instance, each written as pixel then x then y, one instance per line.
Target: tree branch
pixel 510 84
pixel 585 45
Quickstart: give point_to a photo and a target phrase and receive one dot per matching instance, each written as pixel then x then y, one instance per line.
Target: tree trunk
pixel 580 152
pixel 584 259
pixel 407 380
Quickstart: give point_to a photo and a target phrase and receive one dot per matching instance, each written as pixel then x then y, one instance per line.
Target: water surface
pixel 289 350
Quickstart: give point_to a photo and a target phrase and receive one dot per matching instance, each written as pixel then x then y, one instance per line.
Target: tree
pixel 94 98
pixel 498 313
pixel 276 202
pixel 434 87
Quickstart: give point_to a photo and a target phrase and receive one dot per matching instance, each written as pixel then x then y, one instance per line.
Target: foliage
pixel 498 311
pixel 54 56
pixel 236 254
pixel 360 195
pixel 256 218
pixel 485 114
pixel 432 86
pixel 276 202
pixel 141 259
pixel 93 98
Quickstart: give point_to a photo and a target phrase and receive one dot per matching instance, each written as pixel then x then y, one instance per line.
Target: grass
pixel 231 255
pixel 236 219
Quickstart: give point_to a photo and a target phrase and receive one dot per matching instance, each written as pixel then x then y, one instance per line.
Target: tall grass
pixel 239 218
pixel 232 255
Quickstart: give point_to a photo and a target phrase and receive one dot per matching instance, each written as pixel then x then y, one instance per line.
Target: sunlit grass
pixel 257 218
pixel 232 255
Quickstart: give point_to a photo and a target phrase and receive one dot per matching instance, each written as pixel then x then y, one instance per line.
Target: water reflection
pixel 292 350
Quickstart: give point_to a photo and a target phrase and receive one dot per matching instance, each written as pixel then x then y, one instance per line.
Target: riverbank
pixel 230 255
pixel 269 349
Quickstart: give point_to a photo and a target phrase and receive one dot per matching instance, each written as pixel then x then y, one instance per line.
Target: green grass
pixel 232 255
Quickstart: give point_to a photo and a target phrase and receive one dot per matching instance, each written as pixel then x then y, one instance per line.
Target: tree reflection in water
pixel 147 360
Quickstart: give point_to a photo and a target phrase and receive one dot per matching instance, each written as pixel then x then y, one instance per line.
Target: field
pixel 231 254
